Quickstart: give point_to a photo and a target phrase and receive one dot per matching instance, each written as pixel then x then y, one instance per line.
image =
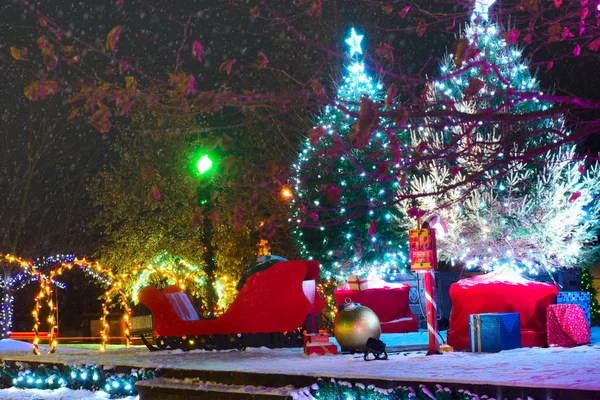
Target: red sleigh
pixel 268 311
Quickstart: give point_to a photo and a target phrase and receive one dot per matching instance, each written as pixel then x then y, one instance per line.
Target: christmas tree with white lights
pixel 522 214
pixel 345 182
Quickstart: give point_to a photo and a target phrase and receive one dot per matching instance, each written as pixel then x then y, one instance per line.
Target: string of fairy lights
pixel 121 289
pixel 348 188
pixel 527 217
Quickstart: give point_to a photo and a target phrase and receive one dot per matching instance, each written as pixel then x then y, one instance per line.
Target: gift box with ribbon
pixel 582 299
pixel 321 349
pixel 357 281
pixel 567 326
pixel 316 338
pixel 494 332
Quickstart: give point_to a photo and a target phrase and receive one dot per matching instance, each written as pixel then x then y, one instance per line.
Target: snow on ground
pixel 531 367
pixel 58 394
pixel 17 346
pixel 14 345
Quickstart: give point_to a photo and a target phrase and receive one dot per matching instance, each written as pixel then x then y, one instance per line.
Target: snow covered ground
pixel 530 367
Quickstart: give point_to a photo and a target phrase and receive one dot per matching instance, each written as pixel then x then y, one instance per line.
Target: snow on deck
pixel 530 367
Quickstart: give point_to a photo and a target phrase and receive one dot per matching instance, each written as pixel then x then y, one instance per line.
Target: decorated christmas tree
pixel 502 210
pixel 345 183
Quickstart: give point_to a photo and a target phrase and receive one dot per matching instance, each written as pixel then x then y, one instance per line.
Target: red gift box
pixel 567 325
pixel 316 338
pixel 320 348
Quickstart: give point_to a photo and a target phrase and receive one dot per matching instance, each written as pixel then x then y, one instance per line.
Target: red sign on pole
pixel 422 249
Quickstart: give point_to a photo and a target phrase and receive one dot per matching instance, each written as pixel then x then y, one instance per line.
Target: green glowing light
pixel 204 164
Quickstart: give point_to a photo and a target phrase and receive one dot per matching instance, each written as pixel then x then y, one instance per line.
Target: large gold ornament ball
pixel 354 325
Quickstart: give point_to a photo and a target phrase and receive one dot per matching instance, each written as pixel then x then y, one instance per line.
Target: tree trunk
pixel 6 311
pixel 209 258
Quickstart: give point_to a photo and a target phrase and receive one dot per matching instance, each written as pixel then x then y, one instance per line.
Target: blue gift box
pixel 493 332
pixel 582 299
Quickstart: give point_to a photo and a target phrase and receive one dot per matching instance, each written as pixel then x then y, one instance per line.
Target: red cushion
pixel 390 303
pixel 497 293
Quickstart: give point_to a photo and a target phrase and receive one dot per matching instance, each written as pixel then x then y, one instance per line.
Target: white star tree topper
pixel 481 8
pixel 354 42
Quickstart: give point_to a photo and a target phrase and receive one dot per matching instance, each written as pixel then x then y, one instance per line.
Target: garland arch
pixel 106 275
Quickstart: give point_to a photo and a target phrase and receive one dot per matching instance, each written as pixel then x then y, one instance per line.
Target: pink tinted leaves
pixel 402 13
pixel 18 54
pixel 332 193
pixel 262 61
pixel 316 134
pixel 512 36
pixel 226 66
pixel 317 88
pixel 574 196
pixel 197 51
pixel 112 38
pixel 148 173
pixel 372 227
pixel 475 85
pixel 100 119
pixel 40 89
pixel 594 44
pixel 386 52
pixel 368 118
pixel 154 194
pixel 390 95
pixel 421 26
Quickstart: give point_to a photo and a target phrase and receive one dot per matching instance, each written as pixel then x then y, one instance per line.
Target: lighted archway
pixel 7 300
pixel 46 291
pixel 175 270
pixel 116 288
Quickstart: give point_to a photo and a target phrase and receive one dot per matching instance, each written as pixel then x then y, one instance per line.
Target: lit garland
pixel 93 378
pixel 226 291
pixel 587 285
pixel 326 289
pixel 11 285
pixel 116 288
pixel 176 270
pixel 46 291
pixel 339 183
pixel 333 389
pixel 524 217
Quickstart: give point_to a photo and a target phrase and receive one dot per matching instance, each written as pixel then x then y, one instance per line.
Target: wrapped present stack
pixel 318 343
pixel 582 299
pixel 358 282
pixel 567 326
pixel 494 332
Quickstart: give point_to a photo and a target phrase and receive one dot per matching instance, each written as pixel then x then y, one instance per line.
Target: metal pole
pixel 431 306
pixel 209 258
